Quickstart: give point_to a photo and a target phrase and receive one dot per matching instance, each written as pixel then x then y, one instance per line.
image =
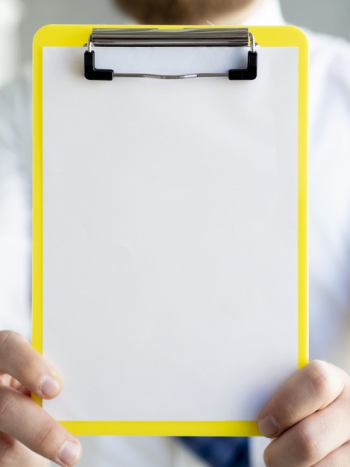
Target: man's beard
pixel 180 11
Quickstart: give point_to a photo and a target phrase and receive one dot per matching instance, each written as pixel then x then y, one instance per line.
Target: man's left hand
pixel 309 419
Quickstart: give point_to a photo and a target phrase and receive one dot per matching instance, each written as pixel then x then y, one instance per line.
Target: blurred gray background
pixel 331 16
pixel 20 19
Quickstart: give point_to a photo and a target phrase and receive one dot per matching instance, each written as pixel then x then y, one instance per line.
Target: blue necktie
pixel 219 451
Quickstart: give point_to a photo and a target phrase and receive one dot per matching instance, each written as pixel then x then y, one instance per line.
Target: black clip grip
pixel 249 73
pixel 91 72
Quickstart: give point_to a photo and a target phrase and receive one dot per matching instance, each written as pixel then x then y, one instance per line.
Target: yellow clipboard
pixel 63 38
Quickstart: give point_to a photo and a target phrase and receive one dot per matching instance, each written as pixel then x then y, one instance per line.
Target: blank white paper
pixel 170 234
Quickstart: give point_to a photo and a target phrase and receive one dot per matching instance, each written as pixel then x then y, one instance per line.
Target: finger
pixel 7 380
pixel 14 454
pixel 310 389
pixel 338 458
pixel 32 370
pixel 312 439
pixel 24 420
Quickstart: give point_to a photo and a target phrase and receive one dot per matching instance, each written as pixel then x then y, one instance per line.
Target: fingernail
pixel 49 386
pixel 268 426
pixel 69 452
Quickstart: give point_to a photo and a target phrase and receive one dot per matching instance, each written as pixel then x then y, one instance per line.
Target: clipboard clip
pixel 209 37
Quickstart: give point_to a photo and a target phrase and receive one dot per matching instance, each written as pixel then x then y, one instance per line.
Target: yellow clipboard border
pixel 76 36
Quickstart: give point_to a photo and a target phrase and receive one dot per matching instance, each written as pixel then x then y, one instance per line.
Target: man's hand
pixel 309 417
pixel 25 428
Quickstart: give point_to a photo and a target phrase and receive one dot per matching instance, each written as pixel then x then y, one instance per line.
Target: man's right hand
pixel 28 435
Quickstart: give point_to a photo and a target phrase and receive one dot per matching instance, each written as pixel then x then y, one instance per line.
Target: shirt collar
pixel 269 13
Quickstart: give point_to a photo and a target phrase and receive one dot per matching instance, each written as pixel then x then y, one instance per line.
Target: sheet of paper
pixel 170 234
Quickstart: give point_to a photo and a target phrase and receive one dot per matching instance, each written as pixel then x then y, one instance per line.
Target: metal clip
pixel 232 37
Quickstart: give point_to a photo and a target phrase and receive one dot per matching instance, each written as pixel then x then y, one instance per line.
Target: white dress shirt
pixel 329 233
